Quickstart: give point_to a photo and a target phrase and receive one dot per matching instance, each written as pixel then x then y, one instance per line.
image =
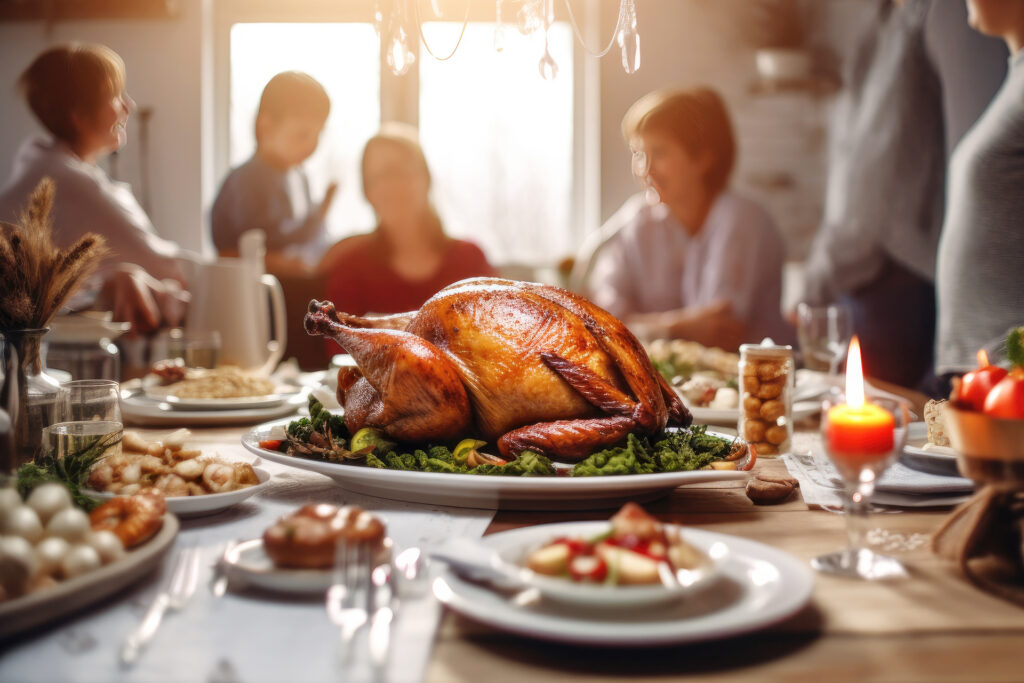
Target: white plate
pixel 757 586
pixel 248 563
pixel 137 409
pixel 730 416
pixel 195 506
pixel 467 490
pixel 164 393
pixel 35 609
pixel 517 544
pixel 934 460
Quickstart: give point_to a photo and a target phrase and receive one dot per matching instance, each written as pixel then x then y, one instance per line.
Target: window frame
pixel 400 94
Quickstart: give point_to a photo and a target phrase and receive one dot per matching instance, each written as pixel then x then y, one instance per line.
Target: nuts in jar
pixel 766 373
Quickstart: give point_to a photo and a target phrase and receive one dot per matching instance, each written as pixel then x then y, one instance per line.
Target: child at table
pixel 270 191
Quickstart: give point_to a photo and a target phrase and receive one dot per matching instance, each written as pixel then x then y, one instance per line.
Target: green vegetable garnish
pixel 72 470
pixel 322 437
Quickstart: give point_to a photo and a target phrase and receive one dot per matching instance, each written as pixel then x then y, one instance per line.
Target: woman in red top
pixel 408 257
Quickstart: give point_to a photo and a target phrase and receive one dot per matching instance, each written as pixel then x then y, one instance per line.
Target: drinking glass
pixel 824 333
pixel 90 399
pixel 860 470
pixel 196 348
pixel 76 438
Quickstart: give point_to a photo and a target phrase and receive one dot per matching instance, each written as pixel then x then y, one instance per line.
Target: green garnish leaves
pixel 72 470
pixel 1015 347
pixel 684 450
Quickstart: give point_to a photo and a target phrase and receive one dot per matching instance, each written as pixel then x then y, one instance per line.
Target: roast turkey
pixel 531 366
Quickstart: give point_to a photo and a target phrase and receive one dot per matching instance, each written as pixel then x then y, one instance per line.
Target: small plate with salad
pixel 627 562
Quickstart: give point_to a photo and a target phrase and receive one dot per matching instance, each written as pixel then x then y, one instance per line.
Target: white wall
pixel 683 42
pixel 164 61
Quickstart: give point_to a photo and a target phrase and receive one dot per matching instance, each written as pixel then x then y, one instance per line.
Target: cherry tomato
pixel 976 385
pixel 1007 398
pixel 588 568
pixel 271 444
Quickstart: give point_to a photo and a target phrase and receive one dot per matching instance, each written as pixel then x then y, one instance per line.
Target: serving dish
pixel 138 409
pixel 730 416
pixel 208 504
pixel 933 459
pixel 491 492
pixel 43 606
pixel 165 394
pixel 756 586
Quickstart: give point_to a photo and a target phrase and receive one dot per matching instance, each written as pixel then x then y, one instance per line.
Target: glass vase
pixel 29 395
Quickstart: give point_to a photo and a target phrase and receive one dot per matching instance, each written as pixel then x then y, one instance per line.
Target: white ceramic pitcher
pixel 230 296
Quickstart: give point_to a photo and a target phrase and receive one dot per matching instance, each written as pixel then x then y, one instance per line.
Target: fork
pixel 174 597
pixel 348 598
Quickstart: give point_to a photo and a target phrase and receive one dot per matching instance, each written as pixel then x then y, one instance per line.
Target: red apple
pixel 1007 397
pixel 976 385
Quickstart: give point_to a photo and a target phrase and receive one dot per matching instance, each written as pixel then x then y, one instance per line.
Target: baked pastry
pixel 934 417
pixel 308 537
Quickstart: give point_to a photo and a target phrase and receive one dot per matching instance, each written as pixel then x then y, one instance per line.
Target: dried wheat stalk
pixel 36 277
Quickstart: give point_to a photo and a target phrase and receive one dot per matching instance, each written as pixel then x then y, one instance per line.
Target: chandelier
pixel 398 28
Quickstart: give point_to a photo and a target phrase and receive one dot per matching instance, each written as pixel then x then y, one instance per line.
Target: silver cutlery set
pixel 362 596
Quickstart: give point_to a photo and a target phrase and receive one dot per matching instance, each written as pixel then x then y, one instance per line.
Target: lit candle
pixel 858 429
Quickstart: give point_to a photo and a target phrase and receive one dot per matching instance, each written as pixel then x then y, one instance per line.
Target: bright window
pixel 327 52
pixel 499 140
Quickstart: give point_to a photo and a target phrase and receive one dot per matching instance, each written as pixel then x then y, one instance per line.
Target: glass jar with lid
pixel 766 398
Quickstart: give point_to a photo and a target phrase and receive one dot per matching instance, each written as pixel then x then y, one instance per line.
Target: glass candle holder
pixel 861 440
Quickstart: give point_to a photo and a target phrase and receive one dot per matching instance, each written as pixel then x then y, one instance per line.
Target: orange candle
pixel 858 428
pixel 865 429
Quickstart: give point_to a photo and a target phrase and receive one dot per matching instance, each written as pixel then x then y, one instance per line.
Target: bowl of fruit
pixel 985 418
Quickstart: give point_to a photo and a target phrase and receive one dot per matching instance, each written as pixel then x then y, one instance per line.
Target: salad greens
pixel 323 436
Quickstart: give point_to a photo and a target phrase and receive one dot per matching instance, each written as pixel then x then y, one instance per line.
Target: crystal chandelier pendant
pixel 629 38
pixel 499 29
pixel 529 19
pixel 547 66
pixel 399 56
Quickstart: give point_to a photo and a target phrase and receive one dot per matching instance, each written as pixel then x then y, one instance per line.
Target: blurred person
pixel 980 269
pixel 77 92
pixel 270 191
pixel 408 257
pixel 875 249
pixel 703 263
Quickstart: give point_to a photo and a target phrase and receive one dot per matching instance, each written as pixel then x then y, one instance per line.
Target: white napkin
pixel 900 486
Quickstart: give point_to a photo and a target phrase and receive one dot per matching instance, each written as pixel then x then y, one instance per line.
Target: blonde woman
pixel 699 262
pixel 77 92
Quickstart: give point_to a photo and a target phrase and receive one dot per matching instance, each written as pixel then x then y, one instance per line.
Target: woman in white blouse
pixel 697 260
pixel 77 92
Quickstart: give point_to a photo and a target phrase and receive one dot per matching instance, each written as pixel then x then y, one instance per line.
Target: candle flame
pixel 854 375
pixel 982 358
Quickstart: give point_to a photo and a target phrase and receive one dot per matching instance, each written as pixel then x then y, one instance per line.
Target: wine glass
pixel 861 447
pixel 84 400
pixel 823 333
pixel 90 419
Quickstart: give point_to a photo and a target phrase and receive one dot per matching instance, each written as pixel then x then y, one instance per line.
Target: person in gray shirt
pixel 875 250
pixel 980 268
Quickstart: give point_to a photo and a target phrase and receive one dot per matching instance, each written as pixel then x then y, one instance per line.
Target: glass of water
pixel 824 334
pixel 75 438
pixel 90 399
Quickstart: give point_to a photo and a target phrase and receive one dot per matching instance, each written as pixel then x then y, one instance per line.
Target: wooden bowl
pixel 990 450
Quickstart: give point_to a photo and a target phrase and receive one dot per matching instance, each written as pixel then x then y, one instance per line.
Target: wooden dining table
pixel 932 625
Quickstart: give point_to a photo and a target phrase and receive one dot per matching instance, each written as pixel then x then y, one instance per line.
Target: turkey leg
pixel 409 388
pixel 567 439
